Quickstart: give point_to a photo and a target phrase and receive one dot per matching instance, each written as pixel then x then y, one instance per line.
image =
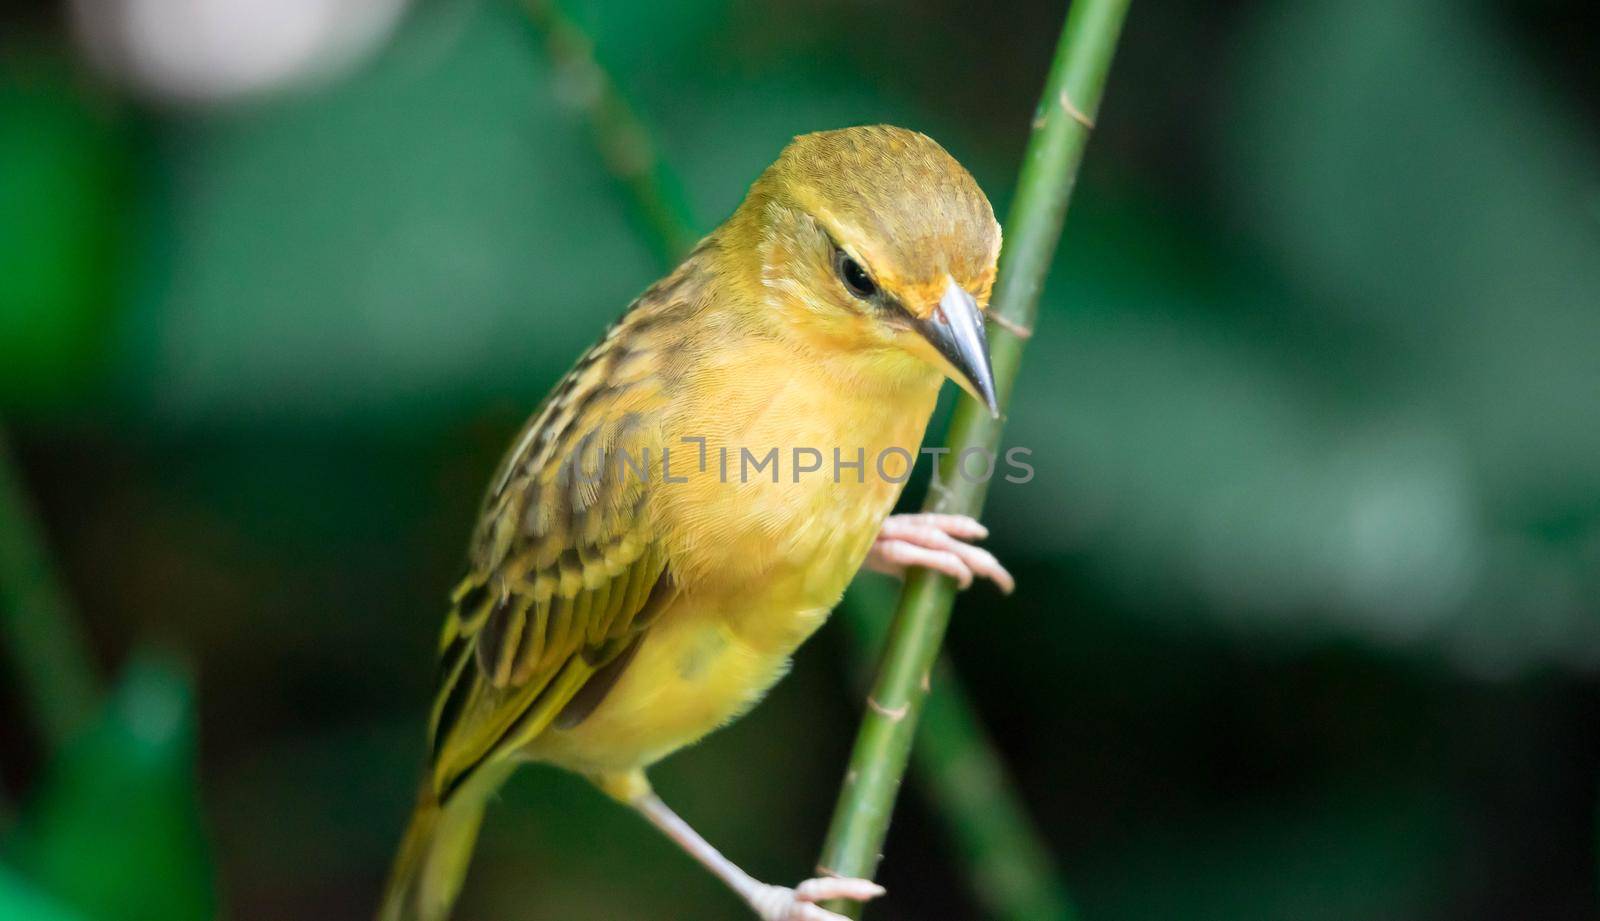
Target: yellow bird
pixel 692 499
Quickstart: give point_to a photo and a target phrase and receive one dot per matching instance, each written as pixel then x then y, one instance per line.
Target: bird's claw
pixel 780 903
pixel 937 542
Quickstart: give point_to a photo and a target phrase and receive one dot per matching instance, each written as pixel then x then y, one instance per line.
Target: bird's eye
pixel 855 278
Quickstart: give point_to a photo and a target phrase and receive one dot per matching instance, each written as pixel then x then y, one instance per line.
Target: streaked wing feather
pixel 566 569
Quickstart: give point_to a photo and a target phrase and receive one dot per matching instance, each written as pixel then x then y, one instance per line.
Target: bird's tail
pixel 432 862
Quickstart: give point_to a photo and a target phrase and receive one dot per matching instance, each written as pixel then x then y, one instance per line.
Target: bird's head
pixel 875 241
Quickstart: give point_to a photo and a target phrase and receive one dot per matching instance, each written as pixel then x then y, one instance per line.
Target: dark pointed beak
pixel 955 328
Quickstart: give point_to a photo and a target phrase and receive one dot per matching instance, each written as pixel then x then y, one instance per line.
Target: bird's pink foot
pixel 939 543
pixel 780 903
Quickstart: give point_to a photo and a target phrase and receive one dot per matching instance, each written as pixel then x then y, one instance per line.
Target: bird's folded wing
pixel 566 569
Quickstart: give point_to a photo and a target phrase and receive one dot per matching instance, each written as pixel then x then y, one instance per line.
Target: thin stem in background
pixel 621 138
pixel 1061 129
pixel 38 626
pixel 1009 866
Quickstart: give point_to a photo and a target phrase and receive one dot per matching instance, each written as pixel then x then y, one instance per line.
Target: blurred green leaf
pixel 19 901
pixel 60 200
pixel 433 227
pixel 116 829
pixel 1407 167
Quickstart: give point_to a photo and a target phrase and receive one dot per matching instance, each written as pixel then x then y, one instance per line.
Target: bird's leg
pixel 770 903
pixel 939 543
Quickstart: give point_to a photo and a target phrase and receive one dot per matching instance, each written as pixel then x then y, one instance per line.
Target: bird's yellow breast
pixel 763 550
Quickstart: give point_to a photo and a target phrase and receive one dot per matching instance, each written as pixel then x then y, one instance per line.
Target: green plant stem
pixel 959 769
pixel 48 652
pixel 1066 113
pixel 620 136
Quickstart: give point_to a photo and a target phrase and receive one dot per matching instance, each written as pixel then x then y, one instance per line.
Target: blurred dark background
pixel 1309 617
